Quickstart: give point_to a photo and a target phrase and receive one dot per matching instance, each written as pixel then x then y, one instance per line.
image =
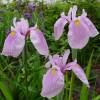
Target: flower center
pixel 12 34
pixel 77 22
pixel 53 71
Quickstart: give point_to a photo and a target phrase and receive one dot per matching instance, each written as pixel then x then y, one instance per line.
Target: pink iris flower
pixel 80 28
pixel 53 80
pixel 15 41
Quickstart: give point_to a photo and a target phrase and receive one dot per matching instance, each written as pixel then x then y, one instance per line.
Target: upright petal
pixel 14 44
pixel 22 26
pixel 65 56
pixel 48 64
pixel 59 26
pixel 74 10
pixel 92 29
pixel 39 42
pixel 70 14
pixel 78 72
pixel 53 83
pixel 78 34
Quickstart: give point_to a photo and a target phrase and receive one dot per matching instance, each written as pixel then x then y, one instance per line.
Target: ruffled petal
pixel 53 83
pixel 65 56
pixel 78 72
pixel 92 29
pixel 13 45
pixel 59 27
pixel 39 42
pixel 78 34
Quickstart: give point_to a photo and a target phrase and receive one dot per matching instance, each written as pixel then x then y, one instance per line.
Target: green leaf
pixel 97 98
pixel 84 90
pixel 5 91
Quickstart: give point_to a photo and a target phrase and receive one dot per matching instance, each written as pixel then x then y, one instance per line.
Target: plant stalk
pixel 74 56
pixel 24 57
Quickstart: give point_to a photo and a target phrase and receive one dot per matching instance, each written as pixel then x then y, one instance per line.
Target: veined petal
pixel 78 72
pixel 78 34
pixel 22 26
pixel 13 44
pixel 92 29
pixel 59 27
pixel 39 42
pixel 65 56
pixel 53 83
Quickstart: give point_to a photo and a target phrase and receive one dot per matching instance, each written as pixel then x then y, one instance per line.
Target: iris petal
pixel 13 45
pixel 52 83
pixel 59 27
pixel 39 42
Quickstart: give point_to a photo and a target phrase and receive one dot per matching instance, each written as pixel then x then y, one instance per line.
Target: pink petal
pixel 65 56
pixel 13 45
pixel 78 72
pixel 78 36
pixel 59 27
pixel 70 14
pixel 92 29
pixel 74 10
pixel 48 64
pixel 39 42
pixel 52 84
pixel 22 26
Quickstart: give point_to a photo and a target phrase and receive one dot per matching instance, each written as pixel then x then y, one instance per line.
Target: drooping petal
pixel 13 44
pixel 53 83
pixel 65 56
pixel 39 42
pixel 59 26
pixel 78 34
pixel 92 29
pixel 78 72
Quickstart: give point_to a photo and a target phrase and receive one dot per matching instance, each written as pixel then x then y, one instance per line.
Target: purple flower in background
pixel 15 41
pixel 53 80
pixel 27 15
pixel 31 6
pixel 80 28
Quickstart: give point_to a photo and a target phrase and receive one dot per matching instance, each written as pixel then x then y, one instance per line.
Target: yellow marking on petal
pixel 12 34
pixel 53 71
pixel 77 22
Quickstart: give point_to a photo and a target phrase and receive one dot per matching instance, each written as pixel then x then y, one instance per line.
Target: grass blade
pixel 84 90
pixel 5 91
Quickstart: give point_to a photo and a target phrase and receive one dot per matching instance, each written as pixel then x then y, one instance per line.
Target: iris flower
pixel 15 41
pixel 53 80
pixel 80 28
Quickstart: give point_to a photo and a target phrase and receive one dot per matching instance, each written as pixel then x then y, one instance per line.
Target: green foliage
pixel 84 90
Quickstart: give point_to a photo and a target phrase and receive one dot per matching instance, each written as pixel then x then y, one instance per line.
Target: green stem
pixel 24 57
pixel 74 56
pixel 66 78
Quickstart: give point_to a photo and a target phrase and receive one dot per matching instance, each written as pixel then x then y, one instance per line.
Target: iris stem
pixel 66 78
pixel 74 56
pixel 24 57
